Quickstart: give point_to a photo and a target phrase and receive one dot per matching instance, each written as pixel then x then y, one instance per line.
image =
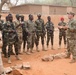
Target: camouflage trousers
pixel 5 45
pixel 38 37
pixel 30 40
pixel 25 34
pixel 50 36
pixel 61 35
pixel 19 41
pixel 71 48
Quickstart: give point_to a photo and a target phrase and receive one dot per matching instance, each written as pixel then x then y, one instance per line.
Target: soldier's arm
pixel 59 26
pixel 73 28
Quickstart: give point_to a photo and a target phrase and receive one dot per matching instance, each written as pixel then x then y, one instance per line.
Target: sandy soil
pixel 38 67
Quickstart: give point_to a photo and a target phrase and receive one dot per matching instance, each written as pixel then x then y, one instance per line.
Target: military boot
pixel 43 48
pixel 73 60
pixel 27 52
pixel 59 47
pixel 18 58
pixel 24 51
pixel 31 50
pixel 52 47
pixel 65 46
pixel 9 61
pixel 37 49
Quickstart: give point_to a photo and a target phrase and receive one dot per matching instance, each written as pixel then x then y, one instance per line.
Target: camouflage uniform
pixel 40 32
pixel 71 36
pixel 62 33
pixel 50 32
pixel 18 28
pixel 10 37
pixel 31 29
pixel 24 33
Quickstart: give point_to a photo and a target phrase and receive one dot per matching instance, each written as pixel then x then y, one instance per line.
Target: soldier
pixel 71 35
pixel 62 32
pixel 4 39
pixel 18 28
pixel 31 29
pixel 40 32
pixel 50 31
pixel 25 34
pixel 10 37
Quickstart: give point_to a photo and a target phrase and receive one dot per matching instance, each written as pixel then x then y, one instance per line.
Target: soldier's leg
pixel 68 52
pixel 9 47
pixel 20 42
pixel 33 41
pixel 16 51
pixel 4 49
pixel 52 38
pixel 37 41
pixel 64 37
pixel 60 39
pixel 48 39
pixel 42 41
pixel 73 51
pixel 29 43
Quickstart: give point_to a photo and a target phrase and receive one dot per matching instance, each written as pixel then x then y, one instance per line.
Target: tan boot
pixel 65 46
pixel 73 61
pixel 43 48
pixel 32 50
pixel 18 58
pixel 59 47
pixel 52 47
pixel 37 49
pixel 27 52
pixel 9 61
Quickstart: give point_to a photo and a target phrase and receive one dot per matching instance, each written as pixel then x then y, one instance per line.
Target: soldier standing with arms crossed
pixel 62 32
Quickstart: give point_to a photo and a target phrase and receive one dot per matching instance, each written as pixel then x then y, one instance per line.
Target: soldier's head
pixel 71 15
pixel 17 16
pixel 10 17
pixel 62 19
pixel 30 17
pixel 49 18
pixel 22 18
pixel 39 16
pixel 7 18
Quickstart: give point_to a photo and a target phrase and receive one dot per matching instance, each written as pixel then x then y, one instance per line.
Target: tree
pixel 8 2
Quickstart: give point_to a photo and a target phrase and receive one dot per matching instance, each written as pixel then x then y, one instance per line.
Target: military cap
pixel 61 18
pixel 71 13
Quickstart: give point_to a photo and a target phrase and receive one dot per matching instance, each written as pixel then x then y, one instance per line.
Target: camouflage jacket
pixel 18 26
pixel 71 31
pixel 9 32
pixel 62 30
pixel 49 27
pixel 31 27
pixel 40 25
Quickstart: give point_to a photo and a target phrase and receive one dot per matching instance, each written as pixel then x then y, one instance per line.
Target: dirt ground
pixel 38 67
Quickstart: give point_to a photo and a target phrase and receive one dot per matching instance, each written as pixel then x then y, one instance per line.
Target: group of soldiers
pixel 30 32
pixel 14 33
